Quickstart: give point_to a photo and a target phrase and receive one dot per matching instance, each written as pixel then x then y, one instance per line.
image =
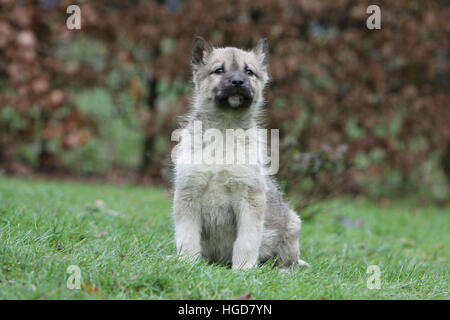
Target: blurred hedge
pixel 359 110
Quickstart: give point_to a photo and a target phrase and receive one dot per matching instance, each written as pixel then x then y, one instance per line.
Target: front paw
pixel 189 256
pixel 243 266
pixel 244 262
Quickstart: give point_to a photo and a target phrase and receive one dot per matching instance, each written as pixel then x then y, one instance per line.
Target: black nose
pixel 237 81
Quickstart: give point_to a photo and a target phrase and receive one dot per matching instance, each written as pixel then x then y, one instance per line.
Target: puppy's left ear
pixel 261 50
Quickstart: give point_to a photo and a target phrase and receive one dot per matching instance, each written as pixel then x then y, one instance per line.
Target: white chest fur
pixel 217 193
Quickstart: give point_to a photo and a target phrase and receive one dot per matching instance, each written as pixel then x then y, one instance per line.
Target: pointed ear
pixel 200 50
pixel 261 50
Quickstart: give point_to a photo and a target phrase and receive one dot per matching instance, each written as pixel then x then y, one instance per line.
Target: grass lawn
pixel 122 240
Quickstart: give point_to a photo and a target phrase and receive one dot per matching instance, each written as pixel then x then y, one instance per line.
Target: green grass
pixel 125 249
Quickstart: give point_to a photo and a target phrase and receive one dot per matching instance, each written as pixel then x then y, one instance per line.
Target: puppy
pixel 229 212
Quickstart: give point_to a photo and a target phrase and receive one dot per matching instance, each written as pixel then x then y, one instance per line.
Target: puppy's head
pixel 229 79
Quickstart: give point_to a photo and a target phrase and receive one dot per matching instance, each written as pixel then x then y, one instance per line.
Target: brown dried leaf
pixel 245 296
pixel 92 289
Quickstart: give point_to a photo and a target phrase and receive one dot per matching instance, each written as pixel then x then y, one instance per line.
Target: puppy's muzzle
pixel 234 92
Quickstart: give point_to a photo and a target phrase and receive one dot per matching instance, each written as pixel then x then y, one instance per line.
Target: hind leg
pixel 289 250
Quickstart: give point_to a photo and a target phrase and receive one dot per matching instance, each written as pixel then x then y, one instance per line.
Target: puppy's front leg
pixel 187 227
pixel 250 223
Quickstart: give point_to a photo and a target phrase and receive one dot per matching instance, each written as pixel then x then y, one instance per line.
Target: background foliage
pixel 358 110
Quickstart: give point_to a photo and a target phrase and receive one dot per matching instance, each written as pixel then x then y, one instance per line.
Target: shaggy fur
pixel 230 213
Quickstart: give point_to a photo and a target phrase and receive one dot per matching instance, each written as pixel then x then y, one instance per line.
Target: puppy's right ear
pixel 200 50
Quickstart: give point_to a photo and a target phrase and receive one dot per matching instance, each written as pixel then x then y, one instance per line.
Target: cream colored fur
pixel 230 213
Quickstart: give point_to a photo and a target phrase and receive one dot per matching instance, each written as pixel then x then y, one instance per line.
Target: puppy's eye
pixel 249 72
pixel 219 71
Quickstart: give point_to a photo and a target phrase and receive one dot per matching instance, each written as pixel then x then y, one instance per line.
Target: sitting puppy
pixel 229 212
